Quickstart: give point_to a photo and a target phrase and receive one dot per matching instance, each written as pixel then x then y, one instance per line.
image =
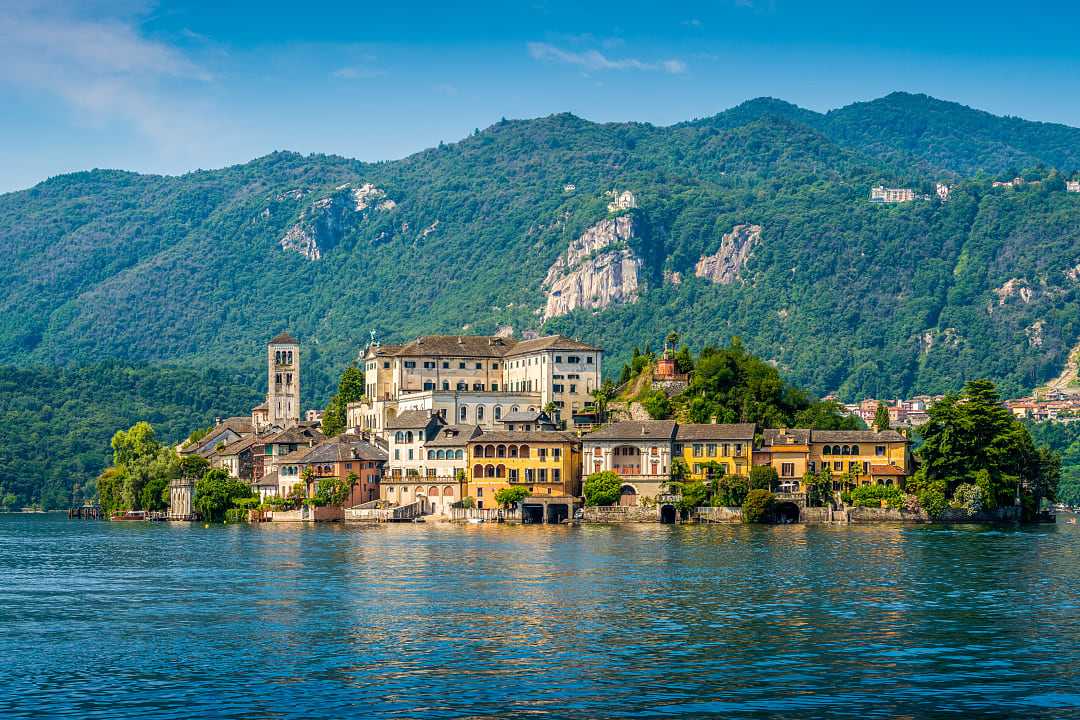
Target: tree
pixel 602 488
pixel 763 477
pixel 692 494
pixel 135 443
pixel 602 396
pixel 680 471
pixel 731 490
pixel 881 417
pixel 819 487
pixel 508 496
pixel 758 506
pixel 332 491
pixel 216 492
pixel 658 406
pixel 350 389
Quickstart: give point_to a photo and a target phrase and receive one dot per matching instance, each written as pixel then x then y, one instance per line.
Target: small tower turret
pixel 283 381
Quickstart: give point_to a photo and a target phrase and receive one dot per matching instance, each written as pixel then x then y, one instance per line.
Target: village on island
pixel 478 428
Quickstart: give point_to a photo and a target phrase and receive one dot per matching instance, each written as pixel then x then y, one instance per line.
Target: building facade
pixel 283 381
pixel 640 452
pixel 704 446
pixel 547 463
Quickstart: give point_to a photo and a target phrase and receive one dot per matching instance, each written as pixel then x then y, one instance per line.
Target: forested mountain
pixel 767 202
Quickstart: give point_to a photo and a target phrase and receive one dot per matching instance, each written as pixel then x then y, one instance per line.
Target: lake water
pixel 103 619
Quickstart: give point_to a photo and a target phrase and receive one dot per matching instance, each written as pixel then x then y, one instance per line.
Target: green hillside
pixel 843 295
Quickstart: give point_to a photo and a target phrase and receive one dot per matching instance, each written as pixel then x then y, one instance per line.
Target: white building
pixel 882 194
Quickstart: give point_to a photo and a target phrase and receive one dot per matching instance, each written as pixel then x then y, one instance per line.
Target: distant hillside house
pixel 882 194
pixel 943 191
pixel 1072 186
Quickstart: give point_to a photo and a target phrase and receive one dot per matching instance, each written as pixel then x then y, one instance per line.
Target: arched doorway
pixel 668 514
pixel 786 513
pixel 628 496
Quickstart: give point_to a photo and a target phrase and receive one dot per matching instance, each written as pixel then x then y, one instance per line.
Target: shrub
pixel 602 488
pixel 911 503
pixel 235 515
pixel 933 501
pixel 968 497
pixel 731 490
pixel 757 506
pixel 763 477
pixel 873 495
pixel 467 503
pixel 511 495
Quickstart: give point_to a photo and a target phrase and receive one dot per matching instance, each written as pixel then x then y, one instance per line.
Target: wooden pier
pixel 86 512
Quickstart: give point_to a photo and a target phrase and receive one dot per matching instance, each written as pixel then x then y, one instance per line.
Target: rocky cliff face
pixel 321 224
pixel 723 267
pixel 597 270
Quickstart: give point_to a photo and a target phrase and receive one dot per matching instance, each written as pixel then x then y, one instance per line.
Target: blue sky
pixel 176 86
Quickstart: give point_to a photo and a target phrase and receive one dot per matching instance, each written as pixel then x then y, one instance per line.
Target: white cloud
pixel 103 69
pixel 595 60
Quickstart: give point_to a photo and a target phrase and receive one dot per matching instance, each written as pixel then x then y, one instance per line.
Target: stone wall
pixel 621 514
pixel 718 514
pixel 872 515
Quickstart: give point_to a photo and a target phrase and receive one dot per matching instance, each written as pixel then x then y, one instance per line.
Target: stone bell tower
pixel 283 381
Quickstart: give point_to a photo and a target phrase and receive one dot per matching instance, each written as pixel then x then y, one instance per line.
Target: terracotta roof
pixel 525 416
pixel 412 419
pixel 295 456
pixel 550 342
pixel 886 470
pixel 479 346
pixel 295 435
pixel 343 451
pixel 736 431
pixel 635 430
pixel 775 436
pixel 268 480
pixel 237 424
pixel 283 339
pixel 453 436
pixel 238 446
pixel 381 350
pixel 855 436
pixel 525 436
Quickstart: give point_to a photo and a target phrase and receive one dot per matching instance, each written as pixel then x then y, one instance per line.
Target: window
pixel 826 450
pixel 386 364
pixel 787 470
pixel 530 475
pixel 479 413
pixel 711 449
pixel 430 454
pixel 866 467
pixel 445 365
pixel 573 359
pixel 879 451
pixel 495 366
pixel 480 493
pixel 464 412
pixel 541 453
pixel 478 387
pixel 410 364
pixel 429 364
pixel 838 465
pixel 738 449
pixel 557 388
pixel 494 387
pixel 397 454
pixel 428 385
pixel 445 384
pixel 556 475
pixel 589 360
pixel 558 358
pixel 813 466
pixel 698 449
pixel 543 475
pixel 556 454
pixel 573 388
pixel 498 412
pixel 512 475
pixel 854 449
pixel 727 450
pixel 461 366
pixel 410 453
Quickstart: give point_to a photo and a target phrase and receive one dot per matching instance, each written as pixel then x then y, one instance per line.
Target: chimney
pixel 217 421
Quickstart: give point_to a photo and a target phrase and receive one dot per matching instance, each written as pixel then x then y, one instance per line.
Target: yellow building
pixel 872 456
pixel 788 452
pixel 729 446
pixel 547 463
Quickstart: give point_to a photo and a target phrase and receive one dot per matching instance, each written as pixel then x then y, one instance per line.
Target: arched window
pixel 478 471
pixel 513 451
pixel 845 450
pixel 514 409
pixel 447 491
pixel 500 451
pixel 419 491
pixel 835 449
pixel 500 471
pixel 479 413
pixel 827 450
pixel 489 471
pixel 441 455
pixel 478 451
pixel 399 437
pixel 498 412
pixel 524 451
pixel 459 455
pixel 489 450
pixel 408 436
pixel 854 449
pixel 464 413
pixel 430 454
pixel 433 491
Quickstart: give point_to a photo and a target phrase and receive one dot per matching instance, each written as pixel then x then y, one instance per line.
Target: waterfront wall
pixel 872 515
pixel 718 514
pixel 484 514
pixel 620 514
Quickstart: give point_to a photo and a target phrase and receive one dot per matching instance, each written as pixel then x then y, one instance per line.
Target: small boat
pixel 1070 521
pixel 475 521
pixel 130 515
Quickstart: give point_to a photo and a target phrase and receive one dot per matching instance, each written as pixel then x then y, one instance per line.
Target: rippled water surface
pixel 103 619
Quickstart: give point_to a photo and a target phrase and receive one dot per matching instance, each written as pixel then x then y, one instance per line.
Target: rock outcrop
pixel 322 223
pixel 1014 286
pixel 724 265
pixel 598 270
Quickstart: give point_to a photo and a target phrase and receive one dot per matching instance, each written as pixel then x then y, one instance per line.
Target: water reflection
pixel 107 620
